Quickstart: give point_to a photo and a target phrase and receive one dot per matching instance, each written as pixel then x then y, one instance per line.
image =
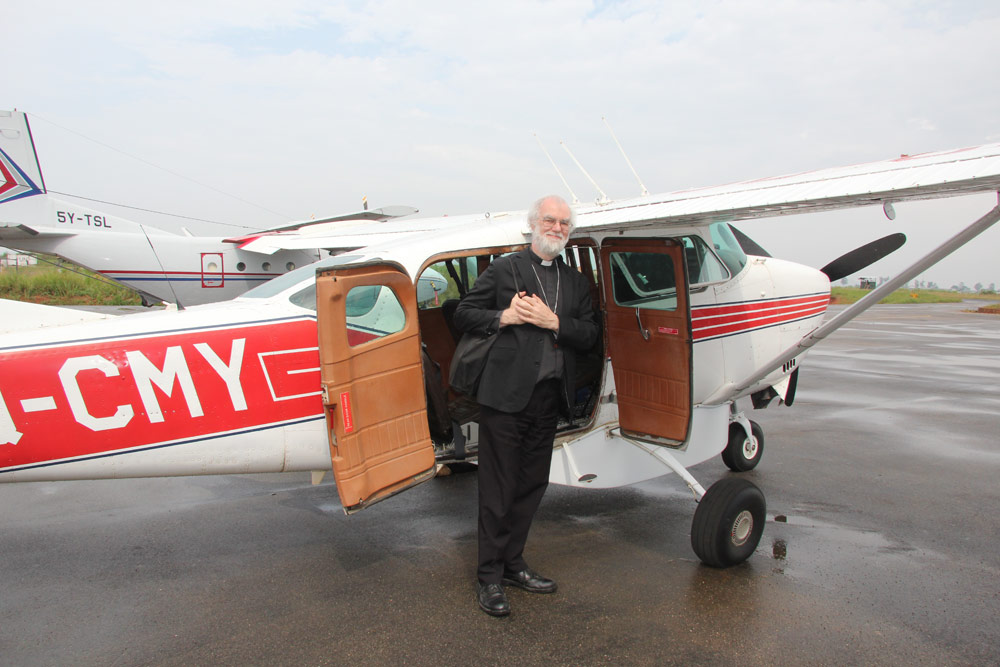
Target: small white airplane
pixel 339 366
pixel 160 265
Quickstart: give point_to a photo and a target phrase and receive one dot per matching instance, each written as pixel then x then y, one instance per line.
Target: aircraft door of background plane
pixel 212 274
pixel 372 381
pixel 649 335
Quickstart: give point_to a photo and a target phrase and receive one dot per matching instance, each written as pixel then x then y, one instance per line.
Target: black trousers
pixel 515 451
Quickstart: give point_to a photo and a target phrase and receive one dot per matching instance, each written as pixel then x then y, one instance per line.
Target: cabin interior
pixel 449 412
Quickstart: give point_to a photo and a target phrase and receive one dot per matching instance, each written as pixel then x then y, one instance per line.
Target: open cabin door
pixel 372 381
pixel 649 336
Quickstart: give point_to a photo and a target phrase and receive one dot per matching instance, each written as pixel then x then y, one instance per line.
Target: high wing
pixel 906 178
pixel 341 236
pixel 377 214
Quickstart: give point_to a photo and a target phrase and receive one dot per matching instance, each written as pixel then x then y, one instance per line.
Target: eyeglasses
pixel 549 221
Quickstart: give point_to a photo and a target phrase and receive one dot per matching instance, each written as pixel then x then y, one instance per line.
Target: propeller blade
pixel 749 246
pixel 866 255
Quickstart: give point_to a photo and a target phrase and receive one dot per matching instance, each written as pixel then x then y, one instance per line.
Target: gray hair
pixel 535 212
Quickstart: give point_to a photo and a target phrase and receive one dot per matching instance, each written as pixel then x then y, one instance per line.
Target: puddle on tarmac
pixel 803 547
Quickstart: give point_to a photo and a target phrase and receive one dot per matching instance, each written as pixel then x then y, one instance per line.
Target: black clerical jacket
pixel 512 367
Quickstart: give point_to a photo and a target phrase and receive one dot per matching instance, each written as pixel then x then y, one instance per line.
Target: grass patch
pixel 61 286
pixel 905 295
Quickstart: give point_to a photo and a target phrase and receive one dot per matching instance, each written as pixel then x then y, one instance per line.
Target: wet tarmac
pixel 880 547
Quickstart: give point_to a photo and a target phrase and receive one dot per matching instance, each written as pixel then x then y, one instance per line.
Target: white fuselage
pixel 235 387
pixel 189 270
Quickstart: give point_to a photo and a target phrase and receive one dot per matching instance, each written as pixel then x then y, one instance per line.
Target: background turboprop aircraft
pixel 340 366
pixel 160 265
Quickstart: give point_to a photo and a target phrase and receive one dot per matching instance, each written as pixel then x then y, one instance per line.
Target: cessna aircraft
pixel 160 265
pixel 339 364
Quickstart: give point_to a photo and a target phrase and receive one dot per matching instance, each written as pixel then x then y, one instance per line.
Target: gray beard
pixel 547 245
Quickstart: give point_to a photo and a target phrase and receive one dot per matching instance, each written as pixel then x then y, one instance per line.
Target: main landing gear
pixel 728 522
pixel 730 516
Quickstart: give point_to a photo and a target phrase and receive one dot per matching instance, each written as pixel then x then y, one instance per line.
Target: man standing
pixel 543 312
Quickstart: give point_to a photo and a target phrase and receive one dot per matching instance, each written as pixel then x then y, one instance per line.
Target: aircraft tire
pixel 742 453
pixel 728 522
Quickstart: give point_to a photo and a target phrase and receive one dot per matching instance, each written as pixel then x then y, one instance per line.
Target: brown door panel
pixel 650 376
pixel 374 392
pixel 651 354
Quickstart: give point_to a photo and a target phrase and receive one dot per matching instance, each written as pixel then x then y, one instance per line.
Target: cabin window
pixel 373 311
pixel 641 279
pixel 727 247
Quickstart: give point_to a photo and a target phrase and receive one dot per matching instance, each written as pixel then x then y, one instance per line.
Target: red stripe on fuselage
pixel 65 402
pixel 729 319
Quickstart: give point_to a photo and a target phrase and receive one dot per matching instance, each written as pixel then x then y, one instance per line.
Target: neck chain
pixel 552 306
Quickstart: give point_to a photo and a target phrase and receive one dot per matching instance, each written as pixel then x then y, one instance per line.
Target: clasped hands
pixel 529 309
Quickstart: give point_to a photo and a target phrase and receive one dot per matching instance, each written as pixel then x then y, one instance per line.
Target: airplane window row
pixel 241 266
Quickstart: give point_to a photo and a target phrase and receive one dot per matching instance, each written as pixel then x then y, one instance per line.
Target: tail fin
pixel 20 174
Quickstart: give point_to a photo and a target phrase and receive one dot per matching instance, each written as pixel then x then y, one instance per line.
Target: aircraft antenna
pixel 169 283
pixel 645 192
pixel 603 198
pixel 575 200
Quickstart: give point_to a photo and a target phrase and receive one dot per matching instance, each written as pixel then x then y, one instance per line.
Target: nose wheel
pixel 728 522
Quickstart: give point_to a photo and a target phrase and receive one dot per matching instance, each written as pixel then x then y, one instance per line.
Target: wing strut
pixel 731 391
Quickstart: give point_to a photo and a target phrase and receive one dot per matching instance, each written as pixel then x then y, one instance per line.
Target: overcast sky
pixel 273 111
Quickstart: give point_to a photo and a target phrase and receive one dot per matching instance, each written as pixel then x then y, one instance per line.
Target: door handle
pixel 643 330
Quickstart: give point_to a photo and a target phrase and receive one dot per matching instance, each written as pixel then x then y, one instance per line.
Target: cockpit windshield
pixel 727 247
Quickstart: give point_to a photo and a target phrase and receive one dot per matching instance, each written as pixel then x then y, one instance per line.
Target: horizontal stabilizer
pixel 17 232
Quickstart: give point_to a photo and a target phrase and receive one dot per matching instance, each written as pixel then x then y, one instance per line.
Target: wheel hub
pixel 750 447
pixel 742 527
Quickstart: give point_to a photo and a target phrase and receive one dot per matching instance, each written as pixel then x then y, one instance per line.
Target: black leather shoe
pixel 493 600
pixel 530 581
